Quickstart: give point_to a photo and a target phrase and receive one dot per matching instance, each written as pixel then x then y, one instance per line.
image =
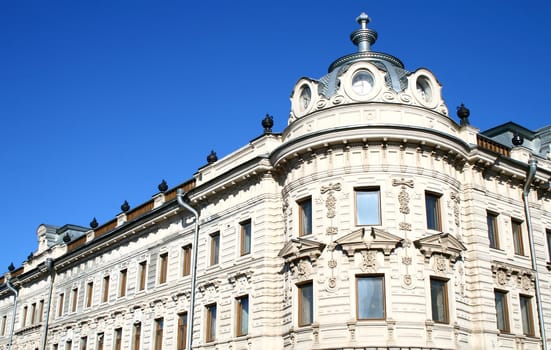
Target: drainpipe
pixel 16 294
pixel 532 163
pixel 50 268
pixel 189 338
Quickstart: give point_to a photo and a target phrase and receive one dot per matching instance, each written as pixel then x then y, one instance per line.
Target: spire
pixel 363 37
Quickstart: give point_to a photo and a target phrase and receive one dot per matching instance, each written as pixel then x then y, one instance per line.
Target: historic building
pixel 375 220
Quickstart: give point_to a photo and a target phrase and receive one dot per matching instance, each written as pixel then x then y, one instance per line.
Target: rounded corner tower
pixel 371 83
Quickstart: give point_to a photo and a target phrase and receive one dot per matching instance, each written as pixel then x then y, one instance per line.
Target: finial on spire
pixel 363 19
pixel 363 37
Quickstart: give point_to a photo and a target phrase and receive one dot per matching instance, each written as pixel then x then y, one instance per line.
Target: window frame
pixel 181 331
pixel 437 215
pixel 33 313
pixel 517 236
pixel 301 297
pixel 24 316
pixel 117 339
pixel 89 293
pixel 357 192
pixel 100 340
pixel 74 299
pixel 548 241
pixel 245 237
pixel 142 278
pixel 61 301
pixel 526 314
pixel 242 315
pixel 136 335
pixel 493 229
pixel 305 219
pixel 214 257
pixel 123 278
pixel 40 310
pixel 105 290
pixel 186 260
pixel 83 345
pixel 445 318
pixel 158 333
pixel 503 311
pixel 163 268
pixel 380 277
pixel 211 315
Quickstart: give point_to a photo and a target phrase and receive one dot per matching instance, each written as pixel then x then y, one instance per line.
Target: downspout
pixel 532 163
pixel 16 294
pixel 189 337
pixel 50 268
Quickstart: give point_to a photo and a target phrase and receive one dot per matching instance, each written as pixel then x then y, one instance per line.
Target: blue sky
pixel 101 100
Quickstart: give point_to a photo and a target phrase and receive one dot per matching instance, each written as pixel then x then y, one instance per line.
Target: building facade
pixel 375 220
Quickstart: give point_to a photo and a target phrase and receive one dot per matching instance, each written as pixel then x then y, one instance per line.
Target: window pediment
pixel 369 239
pixel 300 248
pixel 440 243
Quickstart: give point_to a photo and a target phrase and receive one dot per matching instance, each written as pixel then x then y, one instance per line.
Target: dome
pixel 366 76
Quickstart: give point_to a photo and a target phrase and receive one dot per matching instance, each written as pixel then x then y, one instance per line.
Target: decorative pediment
pixel 369 239
pixel 299 248
pixel 442 244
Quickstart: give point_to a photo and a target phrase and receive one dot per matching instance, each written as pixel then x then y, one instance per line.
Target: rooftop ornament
pixel 67 238
pixel 94 223
pixel 517 140
pixel 267 123
pixel 463 114
pixel 212 157
pixel 163 186
pixel 11 267
pixel 125 206
pixel 363 37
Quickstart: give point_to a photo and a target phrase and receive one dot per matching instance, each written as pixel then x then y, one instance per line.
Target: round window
pixel 424 89
pixel 362 83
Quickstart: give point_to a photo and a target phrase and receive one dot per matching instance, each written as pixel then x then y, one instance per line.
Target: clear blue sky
pixel 101 100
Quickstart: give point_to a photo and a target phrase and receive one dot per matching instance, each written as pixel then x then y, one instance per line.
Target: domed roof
pixel 364 38
pixel 366 76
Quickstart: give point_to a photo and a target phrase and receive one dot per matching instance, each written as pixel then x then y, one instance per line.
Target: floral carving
pixel 439 264
pixel 403 199
pixel 369 260
pixel 501 277
pixel 404 226
pixel 331 201
pixel 332 230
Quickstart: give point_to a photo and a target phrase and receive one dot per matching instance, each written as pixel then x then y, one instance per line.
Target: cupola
pixel 366 76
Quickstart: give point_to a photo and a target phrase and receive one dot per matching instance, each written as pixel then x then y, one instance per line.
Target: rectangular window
pixel 33 313
pixel 118 339
pixel 502 313
pixel 83 343
pixel 54 347
pixel 105 294
pixel 305 216
pixel 491 220
pixel 163 264
pixel 60 304
pixel 439 300
pixel 74 299
pixel 432 206
pixel 210 332
pixel 245 237
pixel 159 325
pixel 4 320
pixel 526 315
pixel 242 316
pixel 516 227
pixel 214 248
pixel 142 275
pixel 182 331
pixel 100 340
pixel 368 206
pixel 122 282
pixel 186 260
pixel 40 310
pixel 68 345
pixel 305 303
pixel 136 336
pixel 370 297
pixel 548 237
pixel 24 315
pixel 89 293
